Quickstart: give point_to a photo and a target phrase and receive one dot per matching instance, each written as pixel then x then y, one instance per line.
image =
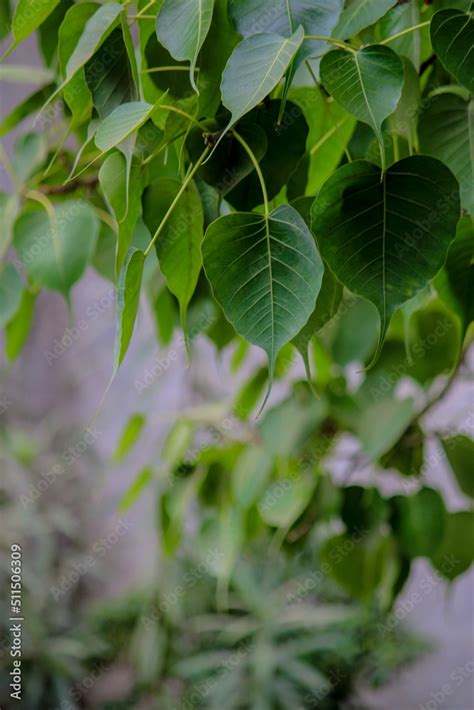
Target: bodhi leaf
pixel 284 16
pixel 128 298
pixel 327 305
pixel 56 248
pixel 122 122
pixel 400 18
pixel 367 83
pixel 454 556
pixel 10 292
pixel 25 108
pixel 29 14
pixel 459 451
pixel 266 274
pixel 242 87
pixel 454 282
pixel 418 521
pixel 446 131
pixel 386 236
pixel 18 328
pixel 179 244
pixel 452 37
pixel 359 14
pixel 182 26
pixel 76 93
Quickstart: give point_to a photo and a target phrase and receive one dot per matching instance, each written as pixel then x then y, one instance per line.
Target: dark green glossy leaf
pixel 452 37
pixel 378 248
pixel 418 521
pixel 459 451
pixel 109 75
pixel 446 131
pixel 454 282
pixel 266 275
pixel 400 18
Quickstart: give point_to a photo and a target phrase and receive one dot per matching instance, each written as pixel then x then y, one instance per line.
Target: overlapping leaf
pixel 452 37
pixel 359 14
pixel 386 236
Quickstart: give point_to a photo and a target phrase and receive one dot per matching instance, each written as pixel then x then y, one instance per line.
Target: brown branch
pixel 90 181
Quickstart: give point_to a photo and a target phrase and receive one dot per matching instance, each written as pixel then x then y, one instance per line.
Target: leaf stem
pixel 405 32
pixel 174 109
pixel 183 187
pixel 337 42
pixel 143 10
pixel 161 148
pixel 258 170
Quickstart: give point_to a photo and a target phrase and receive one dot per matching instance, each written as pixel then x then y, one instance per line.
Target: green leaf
pixel 9 206
pixel 76 93
pixel 182 26
pixel 230 162
pixel 179 245
pixel 29 14
pixel 284 16
pixel 265 273
pixel 452 37
pixel 359 14
pixel 404 119
pixel 446 131
pixel 459 451
pixel 327 305
pixel 402 17
pixel 455 556
pixel 10 293
pixel 285 500
pixel 129 436
pixel 367 83
pixel 109 75
pixel 56 248
pixel 250 475
pixel 5 18
pixel 454 282
pixel 407 455
pixel 286 144
pixel 132 494
pixel 18 328
pixel 242 87
pixel 418 521
pixel 386 236
pixel 122 122
pixel 31 150
pixel 48 32
pixel 128 299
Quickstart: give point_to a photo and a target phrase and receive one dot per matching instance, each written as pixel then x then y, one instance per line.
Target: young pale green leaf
pixel 179 244
pixel 400 18
pixel 452 37
pixel 9 206
pixel 131 495
pixel 10 293
pixel 265 273
pixel 29 14
pixel 128 298
pixel 317 17
pixel 56 249
pixel 129 436
pixel 242 87
pixel 18 328
pixel 359 14
pixel 386 236
pixel 459 451
pixel 121 123
pixel 454 555
pixel 367 83
pixel 76 92
pixel 446 131
pixel 182 27
pixel 285 500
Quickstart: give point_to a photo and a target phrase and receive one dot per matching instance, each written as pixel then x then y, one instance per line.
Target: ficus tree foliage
pixel 257 169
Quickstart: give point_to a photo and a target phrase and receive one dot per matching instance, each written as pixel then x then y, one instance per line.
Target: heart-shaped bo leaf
pixel 266 274
pixel 386 236
pixel 452 37
pixel 367 83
